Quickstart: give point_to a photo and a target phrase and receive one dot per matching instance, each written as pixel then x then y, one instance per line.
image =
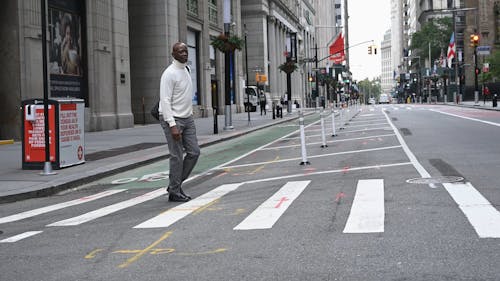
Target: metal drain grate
pixel 442 179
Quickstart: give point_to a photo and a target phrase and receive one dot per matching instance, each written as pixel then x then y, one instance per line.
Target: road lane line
pixel 332 141
pixel 111 208
pixel 20 237
pixel 468 118
pixel 59 206
pixel 173 215
pixel 266 215
pixel 420 169
pixel 367 211
pixel 313 156
pixel 481 214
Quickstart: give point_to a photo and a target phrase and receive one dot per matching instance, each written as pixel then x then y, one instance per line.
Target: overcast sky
pixel 368 20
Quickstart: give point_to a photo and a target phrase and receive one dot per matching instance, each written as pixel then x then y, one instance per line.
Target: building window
pixel 212 11
pixel 192 7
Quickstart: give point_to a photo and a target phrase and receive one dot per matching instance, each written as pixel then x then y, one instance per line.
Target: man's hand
pixel 175 133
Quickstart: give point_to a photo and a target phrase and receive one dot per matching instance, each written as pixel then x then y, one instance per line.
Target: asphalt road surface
pixel 402 192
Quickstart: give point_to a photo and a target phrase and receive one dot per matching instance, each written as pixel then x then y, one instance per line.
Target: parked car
pixel 371 100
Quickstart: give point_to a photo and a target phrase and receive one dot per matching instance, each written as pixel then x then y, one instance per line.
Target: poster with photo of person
pixel 66 56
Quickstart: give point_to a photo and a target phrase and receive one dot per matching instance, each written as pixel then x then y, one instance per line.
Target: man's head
pixel 180 52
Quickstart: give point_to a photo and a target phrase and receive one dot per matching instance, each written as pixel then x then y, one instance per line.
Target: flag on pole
pixel 451 49
pixel 337 52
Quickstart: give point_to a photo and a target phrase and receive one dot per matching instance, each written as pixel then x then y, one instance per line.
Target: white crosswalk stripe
pixel 367 212
pixel 43 210
pixel 266 215
pixel 110 209
pixel 175 214
pixel 481 214
pixel 20 237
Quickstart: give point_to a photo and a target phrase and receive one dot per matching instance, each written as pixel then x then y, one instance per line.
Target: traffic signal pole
pixel 317 73
pixel 476 84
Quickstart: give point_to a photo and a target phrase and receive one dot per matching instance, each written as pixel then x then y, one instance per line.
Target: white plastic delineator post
pixel 303 140
pixel 341 118
pixel 333 123
pixel 323 138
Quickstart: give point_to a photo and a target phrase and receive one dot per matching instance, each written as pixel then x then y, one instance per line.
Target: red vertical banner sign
pixel 34 136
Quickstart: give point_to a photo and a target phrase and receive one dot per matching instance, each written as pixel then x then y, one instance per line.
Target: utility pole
pixel 227 68
pixel 346 37
pixel 246 82
pixel 317 73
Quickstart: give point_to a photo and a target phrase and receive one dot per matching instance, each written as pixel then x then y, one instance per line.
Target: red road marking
pixel 339 196
pixel 283 199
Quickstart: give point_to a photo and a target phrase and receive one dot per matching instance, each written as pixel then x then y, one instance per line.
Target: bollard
pixel 303 140
pixel 333 123
pixel 323 139
pixel 341 127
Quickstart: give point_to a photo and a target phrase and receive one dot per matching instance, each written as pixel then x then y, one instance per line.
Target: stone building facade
pixel 119 48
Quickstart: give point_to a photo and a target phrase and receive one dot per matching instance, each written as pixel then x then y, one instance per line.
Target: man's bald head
pixel 180 52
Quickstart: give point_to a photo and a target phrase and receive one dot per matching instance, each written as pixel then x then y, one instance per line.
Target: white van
pixel 383 98
pixel 252 93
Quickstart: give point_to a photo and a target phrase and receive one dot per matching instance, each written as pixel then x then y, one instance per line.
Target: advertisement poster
pixel 34 147
pixel 66 54
pixel 71 134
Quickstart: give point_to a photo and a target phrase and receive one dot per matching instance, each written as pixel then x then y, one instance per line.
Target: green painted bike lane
pixel 155 175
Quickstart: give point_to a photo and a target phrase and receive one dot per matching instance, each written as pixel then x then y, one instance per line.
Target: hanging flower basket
pixel 226 44
pixel 288 67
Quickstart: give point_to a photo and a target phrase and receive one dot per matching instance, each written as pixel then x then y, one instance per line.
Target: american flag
pixel 451 49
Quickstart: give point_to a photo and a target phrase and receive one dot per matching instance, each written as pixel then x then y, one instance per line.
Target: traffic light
pixel 474 40
pixel 374 50
pixel 369 50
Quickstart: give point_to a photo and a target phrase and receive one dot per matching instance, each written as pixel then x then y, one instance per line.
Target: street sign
pixel 486 67
pixel 483 50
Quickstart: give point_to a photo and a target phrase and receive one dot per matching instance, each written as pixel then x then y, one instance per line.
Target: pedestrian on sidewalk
pixel 262 103
pixel 486 93
pixel 176 119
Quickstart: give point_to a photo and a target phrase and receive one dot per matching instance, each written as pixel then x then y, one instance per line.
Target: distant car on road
pixel 384 98
pixel 371 101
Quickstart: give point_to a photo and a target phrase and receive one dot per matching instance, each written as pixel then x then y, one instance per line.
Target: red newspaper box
pixel 66 133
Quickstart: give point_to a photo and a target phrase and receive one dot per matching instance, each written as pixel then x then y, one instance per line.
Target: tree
pixel 437 33
pixel 370 88
pixel 494 72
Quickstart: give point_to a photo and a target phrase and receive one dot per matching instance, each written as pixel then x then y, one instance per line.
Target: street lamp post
pixel 227 68
pixel 246 82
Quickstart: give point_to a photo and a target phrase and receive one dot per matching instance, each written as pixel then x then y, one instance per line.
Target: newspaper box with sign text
pixel 66 133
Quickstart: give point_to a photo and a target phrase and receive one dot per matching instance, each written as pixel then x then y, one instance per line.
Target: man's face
pixel 180 52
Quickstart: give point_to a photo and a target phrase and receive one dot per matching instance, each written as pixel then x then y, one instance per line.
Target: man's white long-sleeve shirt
pixel 176 93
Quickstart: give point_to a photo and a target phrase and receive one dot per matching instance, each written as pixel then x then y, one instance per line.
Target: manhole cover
pixel 443 179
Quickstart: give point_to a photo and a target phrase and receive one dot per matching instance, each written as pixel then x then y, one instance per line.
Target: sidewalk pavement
pixel 488 105
pixel 114 151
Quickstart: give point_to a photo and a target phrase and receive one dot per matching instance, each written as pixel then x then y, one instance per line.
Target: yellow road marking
pixel 220 250
pixel 203 208
pixel 264 165
pixel 92 254
pixel 144 251
pixel 237 212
